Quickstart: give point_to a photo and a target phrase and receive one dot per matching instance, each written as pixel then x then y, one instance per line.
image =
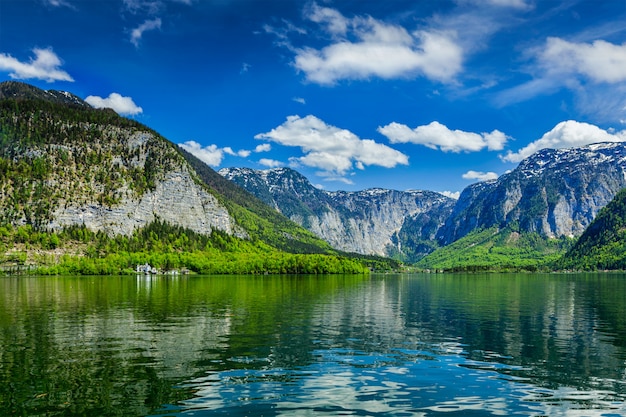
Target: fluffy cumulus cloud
pixel 212 155
pixel 567 134
pixel 363 47
pixel 452 194
pixel 243 153
pixel 336 152
pixel 44 66
pixel 270 163
pixel 121 105
pixel 480 176
pixel 264 147
pixel 137 33
pixel 599 61
pixel 438 136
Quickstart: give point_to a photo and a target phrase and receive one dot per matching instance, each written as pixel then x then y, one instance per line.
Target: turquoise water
pixel 392 345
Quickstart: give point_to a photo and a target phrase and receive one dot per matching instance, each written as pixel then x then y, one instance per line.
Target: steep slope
pixel 64 164
pixel 261 220
pixel 402 224
pixel 555 193
pixel 603 243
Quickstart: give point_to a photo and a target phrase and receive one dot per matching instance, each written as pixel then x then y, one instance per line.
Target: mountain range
pixel 64 164
pixel 375 221
pixel 554 193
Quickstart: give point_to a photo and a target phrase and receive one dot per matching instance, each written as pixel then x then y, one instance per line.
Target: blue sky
pixel 431 95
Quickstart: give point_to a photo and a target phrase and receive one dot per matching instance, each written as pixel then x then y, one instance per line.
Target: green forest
pixel 79 251
pixel 498 250
pixel 603 244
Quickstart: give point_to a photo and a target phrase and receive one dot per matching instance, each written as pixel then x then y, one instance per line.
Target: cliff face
pixel 374 221
pixel 176 199
pixel 555 192
pixel 63 164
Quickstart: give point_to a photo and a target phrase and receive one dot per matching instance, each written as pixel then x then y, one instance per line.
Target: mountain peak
pixel 23 91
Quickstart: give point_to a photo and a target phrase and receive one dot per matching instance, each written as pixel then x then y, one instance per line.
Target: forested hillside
pixel 84 190
pixel 603 244
pixel 494 249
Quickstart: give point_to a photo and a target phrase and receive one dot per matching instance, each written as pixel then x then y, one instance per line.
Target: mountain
pixel 402 224
pixel 603 243
pixel 22 91
pixel 524 219
pixel 64 164
pixel 554 193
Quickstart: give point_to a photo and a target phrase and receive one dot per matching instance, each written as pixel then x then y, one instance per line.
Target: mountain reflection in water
pixel 406 345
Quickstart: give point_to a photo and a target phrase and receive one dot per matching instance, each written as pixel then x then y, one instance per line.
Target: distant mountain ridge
pixel 375 221
pixel 554 192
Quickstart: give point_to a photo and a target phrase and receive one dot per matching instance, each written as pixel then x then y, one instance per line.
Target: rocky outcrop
pixel 555 193
pixel 373 222
pixel 176 199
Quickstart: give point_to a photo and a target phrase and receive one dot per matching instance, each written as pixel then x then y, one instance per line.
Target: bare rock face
pixel 555 193
pixel 176 199
pixel 372 222
pixel 107 177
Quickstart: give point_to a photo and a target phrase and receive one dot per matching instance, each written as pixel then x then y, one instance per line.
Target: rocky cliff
pixel 94 169
pixel 375 221
pixel 555 192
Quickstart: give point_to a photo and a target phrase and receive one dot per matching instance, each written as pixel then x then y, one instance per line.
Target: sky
pixel 354 94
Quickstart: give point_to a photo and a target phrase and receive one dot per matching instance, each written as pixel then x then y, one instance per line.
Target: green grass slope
pixel 496 250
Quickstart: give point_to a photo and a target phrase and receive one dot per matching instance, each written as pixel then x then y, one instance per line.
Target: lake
pixel 392 345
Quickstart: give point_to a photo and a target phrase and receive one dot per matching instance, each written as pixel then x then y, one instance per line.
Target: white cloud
pixel 600 61
pixel 333 150
pixel 595 72
pixel 264 147
pixel 137 33
pixel 243 153
pixel 480 176
pixel 122 105
pixel 566 134
pixel 60 3
pixel 364 47
pixel 513 4
pixel 270 163
pixel 45 66
pixel 437 136
pixel 334 21
pixel 299 100
pixel 210 155
pixel 451 194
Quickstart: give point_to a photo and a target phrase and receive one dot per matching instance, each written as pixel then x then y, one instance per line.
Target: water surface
pixel 393 345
